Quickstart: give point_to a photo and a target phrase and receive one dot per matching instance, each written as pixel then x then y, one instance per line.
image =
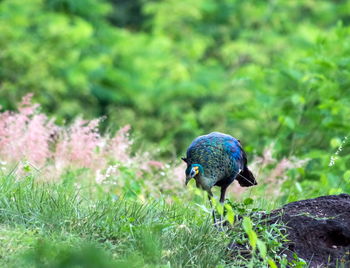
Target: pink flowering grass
pixel 270 172
pixel 29 140
pixel 79 145
pixel 28 135
pixel 25 134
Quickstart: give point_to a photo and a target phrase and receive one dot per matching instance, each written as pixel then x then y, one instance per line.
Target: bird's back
pixel 220 155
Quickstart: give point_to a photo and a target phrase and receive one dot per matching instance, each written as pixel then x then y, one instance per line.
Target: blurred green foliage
pixel 263 71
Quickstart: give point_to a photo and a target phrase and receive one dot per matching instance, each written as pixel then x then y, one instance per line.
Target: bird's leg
pixel 222 201
pixel 210 195
pixel 222 194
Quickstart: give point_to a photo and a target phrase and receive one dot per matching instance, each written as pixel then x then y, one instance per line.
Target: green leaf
pixel 212 199
pixel 248 201
pixel 272 263
pixel 335 142
pixel 346 175
pixel 298 186
pixel 262 248
pixel 289 122
pixel 253 238
pixel 220 209
pixel 27 168
pixel 335 191
pixel 230 215
pixel 247 224
pixel 248 228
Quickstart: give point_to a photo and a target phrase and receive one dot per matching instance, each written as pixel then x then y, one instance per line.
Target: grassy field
pixel 113 92
pixel 73 197
pixel 58 225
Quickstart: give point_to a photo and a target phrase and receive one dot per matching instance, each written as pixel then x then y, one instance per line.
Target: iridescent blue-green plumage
pixel 221 159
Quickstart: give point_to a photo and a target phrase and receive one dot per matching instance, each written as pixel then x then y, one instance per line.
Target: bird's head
pixel 193 171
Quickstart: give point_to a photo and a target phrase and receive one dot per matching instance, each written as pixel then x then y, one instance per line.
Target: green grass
pixel 56 225
pixel 62 218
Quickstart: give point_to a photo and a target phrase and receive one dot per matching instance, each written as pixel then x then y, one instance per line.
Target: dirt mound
pixel 318 229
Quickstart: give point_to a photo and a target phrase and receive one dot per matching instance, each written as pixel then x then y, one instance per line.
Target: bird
pixel 217 159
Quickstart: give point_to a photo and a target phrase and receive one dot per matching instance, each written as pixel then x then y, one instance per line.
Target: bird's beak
pixel 187 180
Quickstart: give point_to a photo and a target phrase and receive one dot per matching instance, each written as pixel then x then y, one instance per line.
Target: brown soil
pixel 318 230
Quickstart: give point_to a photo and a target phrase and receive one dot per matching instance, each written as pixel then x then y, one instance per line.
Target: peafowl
pixel 217 159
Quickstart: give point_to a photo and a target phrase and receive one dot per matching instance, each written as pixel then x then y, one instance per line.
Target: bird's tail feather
pixel 246 178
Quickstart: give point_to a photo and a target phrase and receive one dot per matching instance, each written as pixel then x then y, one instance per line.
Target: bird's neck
pixel 205 182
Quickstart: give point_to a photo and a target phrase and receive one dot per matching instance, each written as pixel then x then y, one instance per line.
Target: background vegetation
pixel 275 74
